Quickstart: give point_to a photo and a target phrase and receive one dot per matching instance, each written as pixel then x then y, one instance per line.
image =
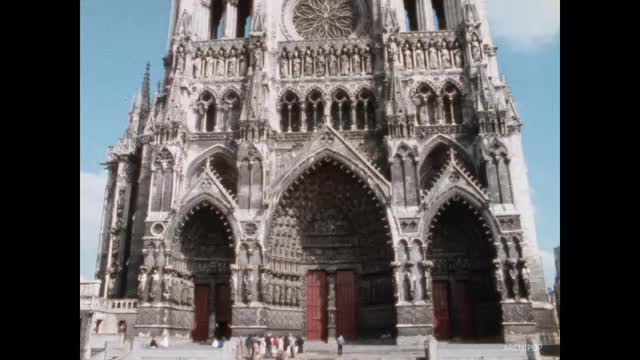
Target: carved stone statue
pixel 149 258
pixel 513 277
pixel 288 292
pixel 284 64
pixel 156 286
pixel 232 285
pixel 356 62
pixel 333 62
pixel 433 56
pixel 296 64
pixel 231 63
pixel 331 296
pixel 197 61
pixel 166 286
pixel 247 286
pixel 393 51
pixel 499 279
pixel 185 24
pixel 476 49
pixel 408 61
pixel 142 286
pixel 368 60
pixel 419 52
pixel 407 286
pixel 190 289
pixel 526 281
pixel 394 283
pixel 344 61
pixel 264 287
pixel 308 63
pixel 160 256
pixel 445 55
pixel 180 60
pixel 457 54
pixel 242 62
pixel 258 58
pixel 276 291
pixel 220 63
pixel 176 290
pixel 321 62
pixel 282 286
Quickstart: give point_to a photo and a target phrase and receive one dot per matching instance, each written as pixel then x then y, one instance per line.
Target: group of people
pixel 269 346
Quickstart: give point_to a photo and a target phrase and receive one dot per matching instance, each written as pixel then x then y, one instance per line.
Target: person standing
pixel 300 343
pixel 292 345
pixel 267 342
pixel 340 342
pixel 286 343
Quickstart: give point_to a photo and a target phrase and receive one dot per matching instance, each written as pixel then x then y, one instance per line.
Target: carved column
pixel 396 266
pixel 230 19
pixel 424 12
pixel 233 284
pixel 331 305
pixel 504 180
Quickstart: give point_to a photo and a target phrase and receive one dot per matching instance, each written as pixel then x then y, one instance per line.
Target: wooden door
pixel 201 313
pixel 223 309
pixel 316 305
pixel 464 304
pixel 346 305
pixel 441 322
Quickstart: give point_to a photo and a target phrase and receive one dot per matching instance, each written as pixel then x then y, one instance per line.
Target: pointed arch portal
pixel 330 228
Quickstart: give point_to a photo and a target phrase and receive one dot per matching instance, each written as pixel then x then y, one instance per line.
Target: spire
pixel 146 90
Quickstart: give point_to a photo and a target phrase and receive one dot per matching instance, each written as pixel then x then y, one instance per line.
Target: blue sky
pixel 118 37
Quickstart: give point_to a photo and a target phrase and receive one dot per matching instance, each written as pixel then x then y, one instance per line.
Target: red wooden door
pixel 201 316
pixel 223 309
pixel 441 324
pixel 316 305
pixel 346 305
pixel 465 310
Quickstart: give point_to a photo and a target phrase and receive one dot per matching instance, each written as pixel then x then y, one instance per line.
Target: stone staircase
pixel 445 351
pixel 186 351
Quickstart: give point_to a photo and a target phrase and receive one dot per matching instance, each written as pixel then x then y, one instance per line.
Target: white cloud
pixel 549 267
pixel 526 25
pixel 91 197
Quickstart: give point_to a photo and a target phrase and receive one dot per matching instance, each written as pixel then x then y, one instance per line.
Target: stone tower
pixel 321 167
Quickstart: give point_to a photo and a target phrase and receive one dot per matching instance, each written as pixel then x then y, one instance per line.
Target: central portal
pixel 330 231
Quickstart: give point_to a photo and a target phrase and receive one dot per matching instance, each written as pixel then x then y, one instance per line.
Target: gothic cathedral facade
pixel 324 167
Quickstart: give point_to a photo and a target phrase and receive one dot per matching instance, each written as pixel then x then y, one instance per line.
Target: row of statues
pixel 321 62
pixel 281 290
pixel 517 284
pixel 165 286
pixel 431 56
pixel 209 63
pixel 412 283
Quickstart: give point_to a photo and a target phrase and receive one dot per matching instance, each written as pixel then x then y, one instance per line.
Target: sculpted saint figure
pixel 408 61
pixel 231 63
pixel 166 286
pixel 433 56
pixel 296 64
pixel 321 62
pixel 258 58
pixel 333 62
pixel 284 64
pixel 180 60
pixel 308 63
pixel 445 55
pixel 344 60
pixel 457 54
pixel 242 62
pixel 476 50
pixel 149 258
pixel 393 51
pixel 368 60
pixel 209 64
pixel 419 56
pixel 356 61
pixel 156 288
pixel 196 63
pixel 513 277
pixel 220 63
pixel 142 286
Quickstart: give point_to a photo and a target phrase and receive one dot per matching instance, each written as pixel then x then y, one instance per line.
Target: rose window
pixel 322 19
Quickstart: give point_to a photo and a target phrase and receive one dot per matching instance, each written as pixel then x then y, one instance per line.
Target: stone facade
pixel 330 137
